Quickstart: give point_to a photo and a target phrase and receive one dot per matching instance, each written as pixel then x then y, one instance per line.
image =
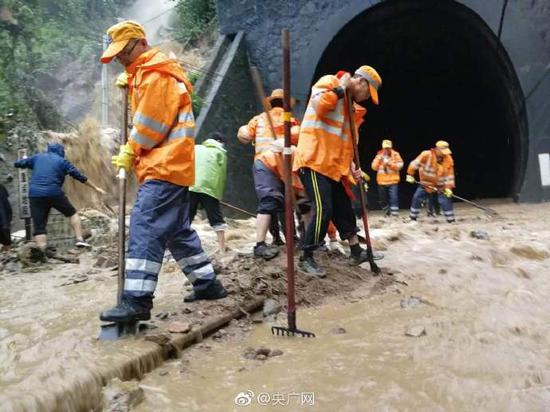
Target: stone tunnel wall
pixel 313 23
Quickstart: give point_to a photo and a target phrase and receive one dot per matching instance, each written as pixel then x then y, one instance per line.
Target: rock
pixel 262 350
pixel 479 234
pixel 275 352
pixel 162 315
pixel 257 320
pixel 163 373
pixel 29 255
pixel 249 353
pixel 187 311
pixel 415 331
pixel 261 357
pixel 160 339
pixel 12 267
pixel 121 396
pixel 533 252
pixel 411 302
pixel 104 261
pixel 442 271
pixel 220 334
pixel 338 331
pixel 499 258
pixel 271 307
pixel 179 327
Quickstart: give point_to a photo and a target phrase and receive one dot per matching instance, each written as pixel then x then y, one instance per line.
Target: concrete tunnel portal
pixel 445 76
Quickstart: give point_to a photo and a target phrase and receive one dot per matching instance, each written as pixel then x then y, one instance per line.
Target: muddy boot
pixel 129 309
pixel 214 291
pixel 261 250
pixel 357 259
pixel 309 266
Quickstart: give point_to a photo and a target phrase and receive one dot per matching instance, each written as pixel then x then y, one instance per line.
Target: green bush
pixel 195 18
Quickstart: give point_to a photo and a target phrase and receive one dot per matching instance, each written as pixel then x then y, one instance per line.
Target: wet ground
pixel 477 310
pixel 465 327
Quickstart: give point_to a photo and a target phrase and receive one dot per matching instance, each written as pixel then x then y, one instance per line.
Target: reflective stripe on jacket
pixel 163 132
pixel 325 143
pixel 439 175
pixel 260 131
pixel 387 167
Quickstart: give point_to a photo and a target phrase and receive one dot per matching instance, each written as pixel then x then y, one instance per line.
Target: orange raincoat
pixel 438 175
pixel 325 143
pixel 163 133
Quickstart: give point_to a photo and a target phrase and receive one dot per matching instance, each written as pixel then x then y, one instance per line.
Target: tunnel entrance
pixel 445 76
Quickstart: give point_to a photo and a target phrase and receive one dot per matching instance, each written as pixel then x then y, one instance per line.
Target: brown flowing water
pixel 483 305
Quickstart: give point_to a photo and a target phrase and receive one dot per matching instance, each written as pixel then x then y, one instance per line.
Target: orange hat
pixel 443 146
pixel 279 94
pixel 373 78
pixel 120 34
pixel 387 144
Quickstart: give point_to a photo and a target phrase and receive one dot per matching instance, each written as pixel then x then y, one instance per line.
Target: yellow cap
pixel 373 78
pixel 443 147
pixel 387 144
pixel 279 94
pixel 119 35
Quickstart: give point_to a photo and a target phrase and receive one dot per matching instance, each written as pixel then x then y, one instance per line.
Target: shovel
pixel 291 329
pixel 117 330
pixel 370 257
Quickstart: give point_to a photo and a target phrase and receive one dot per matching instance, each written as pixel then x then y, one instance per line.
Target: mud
pixel 457 329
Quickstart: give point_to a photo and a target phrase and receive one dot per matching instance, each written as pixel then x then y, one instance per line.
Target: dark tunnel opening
pixel 445 76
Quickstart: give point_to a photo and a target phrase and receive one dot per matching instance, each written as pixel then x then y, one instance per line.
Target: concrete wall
pixel 230 103
pixel 313 23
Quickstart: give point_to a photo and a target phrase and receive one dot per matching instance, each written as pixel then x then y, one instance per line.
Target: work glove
pixel 277 146
pixel 344 81
pixel 411 179
pixel 448 192
pixel 122 80
pixel 125 158
pixel 366 177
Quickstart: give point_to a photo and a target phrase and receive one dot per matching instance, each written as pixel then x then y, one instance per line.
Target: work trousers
pixel 421 195
pixel 160 221
pixel 330 202
pixel 388 197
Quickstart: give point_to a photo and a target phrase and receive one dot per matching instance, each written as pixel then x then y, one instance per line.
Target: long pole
pixel 287 157
pixel 104 103
pixel 122 203
pixel 355 141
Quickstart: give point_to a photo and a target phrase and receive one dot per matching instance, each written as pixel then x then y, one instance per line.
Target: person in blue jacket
pixel 46 191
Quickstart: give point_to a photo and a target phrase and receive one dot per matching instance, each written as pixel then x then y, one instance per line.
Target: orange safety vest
pixel 387 173
pixel 439 175
pixel 163 132
pixel 260 131
pixel 325 143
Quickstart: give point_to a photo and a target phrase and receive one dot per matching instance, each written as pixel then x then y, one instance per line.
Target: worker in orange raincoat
pixel 387 164
pixel 268 168
pixel 437 176
pixel 161 151
pixel 324 160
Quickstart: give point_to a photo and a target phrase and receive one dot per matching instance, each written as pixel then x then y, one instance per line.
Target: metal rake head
pixel 284 331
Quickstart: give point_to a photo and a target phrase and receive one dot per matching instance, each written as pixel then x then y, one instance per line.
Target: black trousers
pixel 212 207
pixel 330 203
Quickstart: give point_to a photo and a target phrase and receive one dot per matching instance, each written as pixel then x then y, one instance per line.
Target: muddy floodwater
pixel 478 310
pixel 463 326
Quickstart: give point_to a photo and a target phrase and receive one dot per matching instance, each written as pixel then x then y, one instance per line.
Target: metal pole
pixel 287 156
pixel 104 102
pixel 122 203
pixel 24 203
